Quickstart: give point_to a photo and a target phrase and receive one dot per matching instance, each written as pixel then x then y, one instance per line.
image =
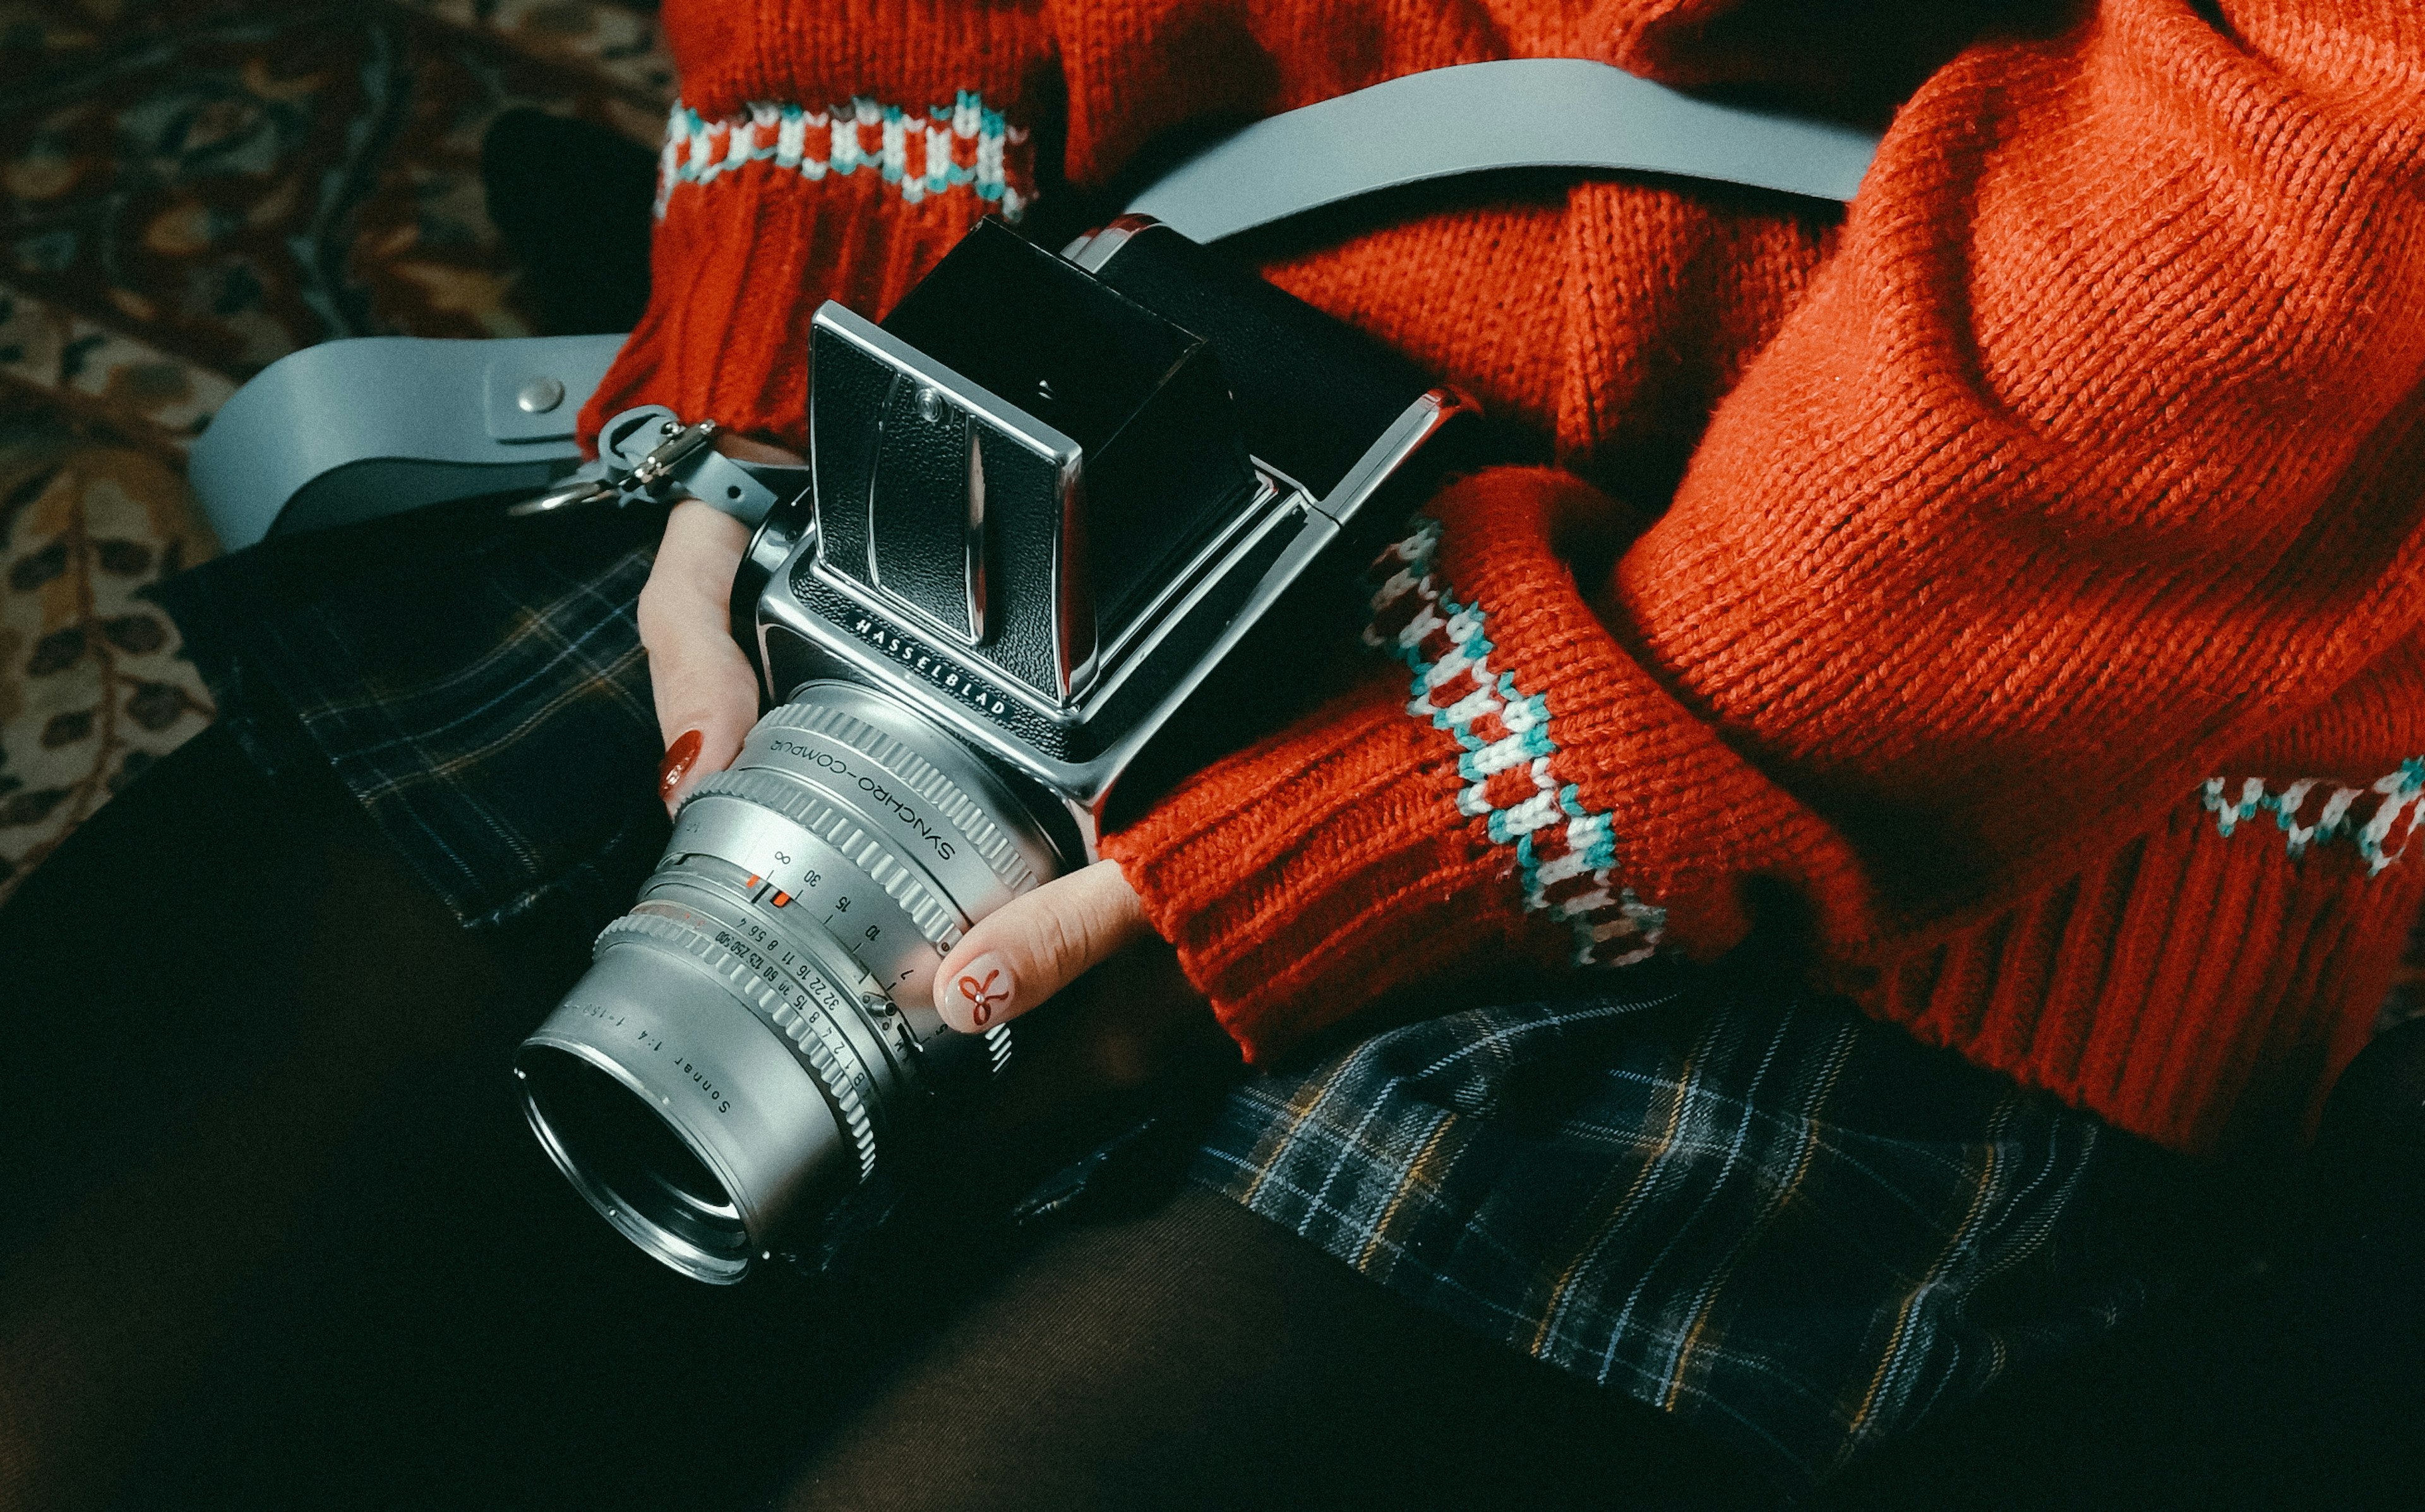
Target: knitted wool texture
pixel 1979 553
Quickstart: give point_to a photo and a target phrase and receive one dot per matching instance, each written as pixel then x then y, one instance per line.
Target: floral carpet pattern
pixel 191 190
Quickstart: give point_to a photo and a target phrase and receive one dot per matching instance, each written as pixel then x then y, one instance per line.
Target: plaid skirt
pixel 1758 1211
pixel 1773 1217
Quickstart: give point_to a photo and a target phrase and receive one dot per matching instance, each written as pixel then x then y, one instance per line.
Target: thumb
pixel 706 695
pixel 1036 943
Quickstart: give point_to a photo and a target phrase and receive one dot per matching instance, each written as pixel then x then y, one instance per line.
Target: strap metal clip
pixel 576 492
pixel 649 454
pixel 615 479
pixel 670 454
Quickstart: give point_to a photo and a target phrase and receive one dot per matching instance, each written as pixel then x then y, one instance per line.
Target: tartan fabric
pixel 482 691
pixel 1773 1216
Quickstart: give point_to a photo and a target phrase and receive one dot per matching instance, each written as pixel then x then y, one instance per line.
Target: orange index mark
pixel 753 879
pixel 782 898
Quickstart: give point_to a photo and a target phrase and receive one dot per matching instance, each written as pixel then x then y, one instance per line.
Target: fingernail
pixel 984 989
pixel 678 760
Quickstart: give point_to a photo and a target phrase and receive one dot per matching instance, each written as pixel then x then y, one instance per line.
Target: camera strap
pixel 353 430
pixel 1516 113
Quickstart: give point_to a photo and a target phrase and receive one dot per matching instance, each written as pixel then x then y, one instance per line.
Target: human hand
pixel 706 695
pixel 1036 943
pixel 1127 1031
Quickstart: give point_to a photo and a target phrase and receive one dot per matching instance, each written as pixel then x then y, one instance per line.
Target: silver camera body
pixel 1071 518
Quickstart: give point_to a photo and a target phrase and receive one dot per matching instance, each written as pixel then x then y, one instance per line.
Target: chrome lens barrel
pixel 758 1031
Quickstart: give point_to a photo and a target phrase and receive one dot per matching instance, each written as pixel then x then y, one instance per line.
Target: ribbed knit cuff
pixel 1322 870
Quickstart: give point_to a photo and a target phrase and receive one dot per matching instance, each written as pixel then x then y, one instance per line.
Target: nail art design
pixel 679 758
pixel 985 987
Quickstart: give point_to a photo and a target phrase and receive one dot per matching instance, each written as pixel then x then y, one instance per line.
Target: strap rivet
pixel 538 396
pixel 930 405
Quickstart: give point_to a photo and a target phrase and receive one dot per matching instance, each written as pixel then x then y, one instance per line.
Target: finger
pixel 706 695
pixel 1035 945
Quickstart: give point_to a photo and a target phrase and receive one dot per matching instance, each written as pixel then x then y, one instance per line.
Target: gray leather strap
pixel 352 430
pixel 1533 112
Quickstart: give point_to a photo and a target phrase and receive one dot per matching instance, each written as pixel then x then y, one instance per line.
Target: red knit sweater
pixel 2029 609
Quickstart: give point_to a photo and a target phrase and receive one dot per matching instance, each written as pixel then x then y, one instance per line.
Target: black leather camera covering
pixel 1146 399
pixel 1311 393
pixel 863 416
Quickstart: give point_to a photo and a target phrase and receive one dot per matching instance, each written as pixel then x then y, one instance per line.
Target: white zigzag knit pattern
pixel 1565 851
pixel 2399 793
pixel 962 143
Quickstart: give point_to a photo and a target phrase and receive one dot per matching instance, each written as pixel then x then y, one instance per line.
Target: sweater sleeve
pixel 825 149
pixel 2090 458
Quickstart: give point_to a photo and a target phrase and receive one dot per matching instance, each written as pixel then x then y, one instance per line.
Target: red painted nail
pixel 678 760
pixel 987 987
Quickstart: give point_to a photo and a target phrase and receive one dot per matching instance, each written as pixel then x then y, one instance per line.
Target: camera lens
pixel 634 1166
pixel 758 1033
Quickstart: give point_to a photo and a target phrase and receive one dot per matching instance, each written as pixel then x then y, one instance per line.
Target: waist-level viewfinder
pixel 1016 457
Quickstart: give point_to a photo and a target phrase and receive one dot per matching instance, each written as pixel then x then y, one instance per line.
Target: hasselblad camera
pixel 1071 518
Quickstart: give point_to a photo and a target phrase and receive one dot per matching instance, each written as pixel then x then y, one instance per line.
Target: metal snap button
pixel 538 396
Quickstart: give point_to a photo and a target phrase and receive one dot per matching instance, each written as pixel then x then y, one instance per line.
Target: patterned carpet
pixel 189 191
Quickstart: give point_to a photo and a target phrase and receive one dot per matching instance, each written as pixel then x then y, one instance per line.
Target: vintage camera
pixel 1072 517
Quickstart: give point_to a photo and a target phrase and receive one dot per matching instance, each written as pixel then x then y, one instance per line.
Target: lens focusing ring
pixel 849 1083
pixel 803 884
pixel 904 881
pixel 919 776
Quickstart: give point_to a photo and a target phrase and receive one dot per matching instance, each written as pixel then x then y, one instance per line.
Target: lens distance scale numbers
pixel 821 886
